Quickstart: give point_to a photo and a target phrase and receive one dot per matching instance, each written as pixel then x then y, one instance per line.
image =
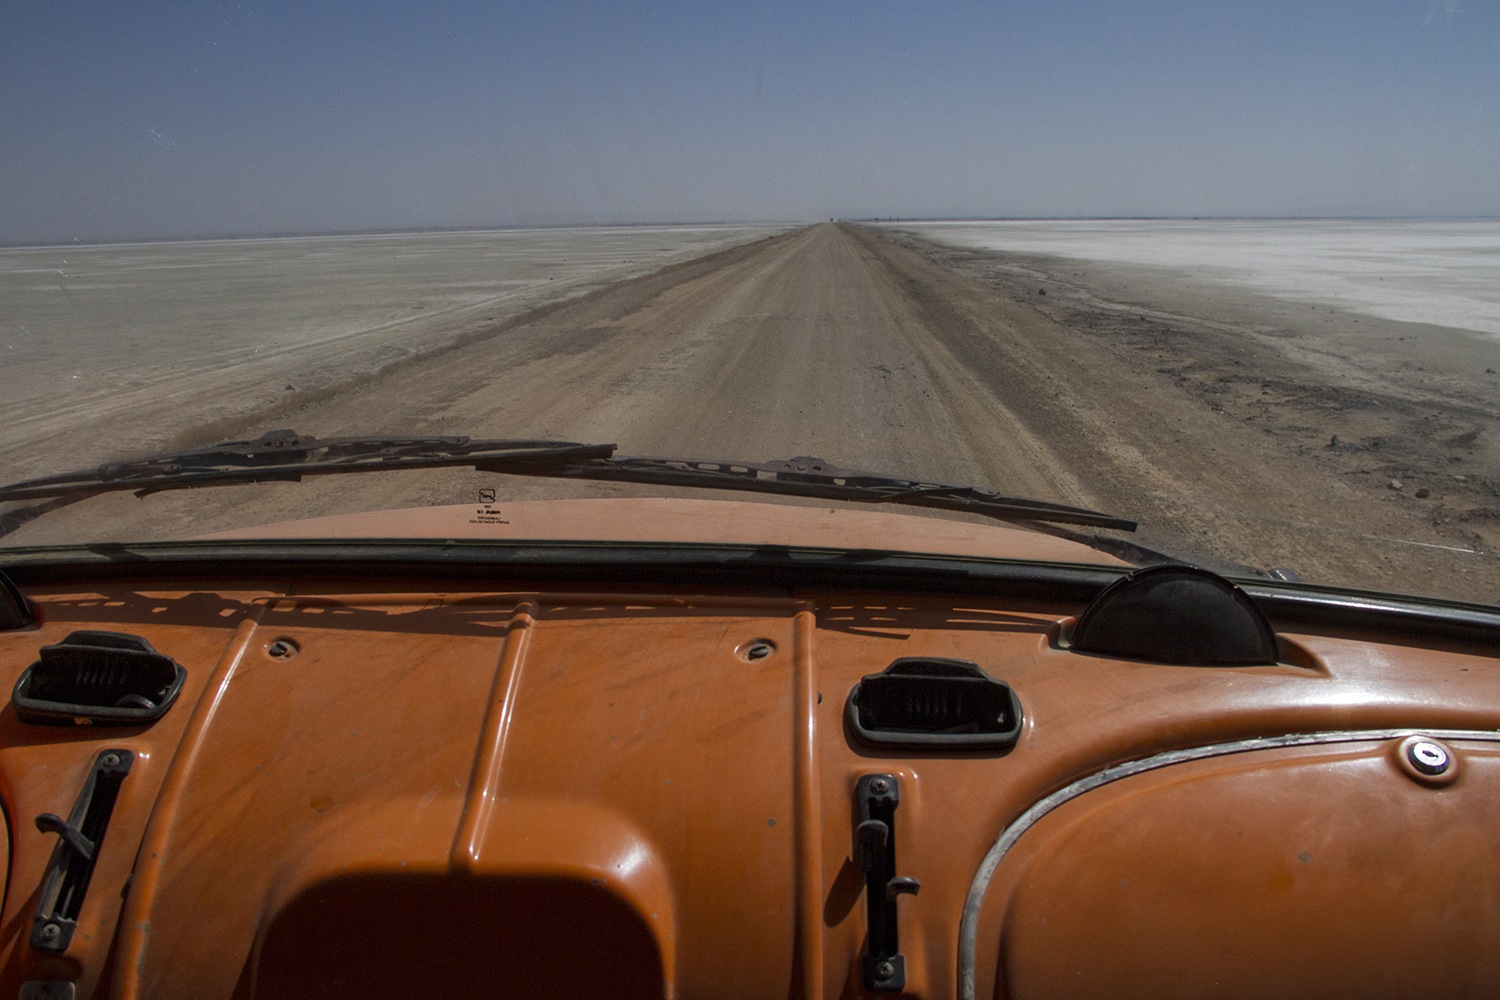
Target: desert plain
pixel 1240 422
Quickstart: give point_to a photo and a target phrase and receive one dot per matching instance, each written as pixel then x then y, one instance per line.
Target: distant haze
pixel 169 120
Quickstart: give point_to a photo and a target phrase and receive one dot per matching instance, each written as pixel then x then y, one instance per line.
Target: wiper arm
pixel 285 456
pixel 813 477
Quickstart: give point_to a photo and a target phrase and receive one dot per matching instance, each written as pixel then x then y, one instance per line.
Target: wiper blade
pixel 285 456
pixel 813 477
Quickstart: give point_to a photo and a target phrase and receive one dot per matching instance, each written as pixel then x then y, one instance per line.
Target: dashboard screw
pixel 879 787
pixel 884 970
pixel 50 932
pixel 110 759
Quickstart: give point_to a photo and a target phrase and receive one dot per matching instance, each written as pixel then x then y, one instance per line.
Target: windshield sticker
pixel 487 514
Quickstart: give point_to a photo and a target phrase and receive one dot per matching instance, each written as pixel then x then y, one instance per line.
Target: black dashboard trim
pixel 774 568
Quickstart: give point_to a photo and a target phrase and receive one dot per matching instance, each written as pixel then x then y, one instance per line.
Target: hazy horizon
pixel 178 121
pixel 710 223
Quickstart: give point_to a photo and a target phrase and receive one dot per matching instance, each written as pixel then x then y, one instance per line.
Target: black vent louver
pixel 98 678
pixel 934 703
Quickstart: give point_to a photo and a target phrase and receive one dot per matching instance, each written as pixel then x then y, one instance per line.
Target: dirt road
pixel 843 343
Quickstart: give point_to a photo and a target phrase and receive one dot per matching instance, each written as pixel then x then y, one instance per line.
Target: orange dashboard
pixel 390 789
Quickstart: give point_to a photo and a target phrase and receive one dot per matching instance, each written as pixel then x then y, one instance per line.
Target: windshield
pixel 1232 274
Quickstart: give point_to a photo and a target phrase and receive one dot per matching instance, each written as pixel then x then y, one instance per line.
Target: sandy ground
pixel 1351 448
pixel 124 349
pixel 1441 271
pixel 1124 390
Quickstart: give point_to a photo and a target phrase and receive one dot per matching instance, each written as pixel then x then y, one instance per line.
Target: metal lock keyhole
pixel 1428 761
pixel 1428 757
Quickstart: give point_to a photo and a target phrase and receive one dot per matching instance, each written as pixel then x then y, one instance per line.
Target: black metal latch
pixel 72 865
pixel 877 796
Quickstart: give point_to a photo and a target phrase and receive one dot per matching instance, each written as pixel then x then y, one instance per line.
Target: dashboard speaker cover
pixel 1178 615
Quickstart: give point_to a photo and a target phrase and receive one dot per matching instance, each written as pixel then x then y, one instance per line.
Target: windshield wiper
pixel 285 456
pixel 813 477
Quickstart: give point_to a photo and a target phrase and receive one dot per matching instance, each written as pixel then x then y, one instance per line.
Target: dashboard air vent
pixel 934 703
pixel 98 678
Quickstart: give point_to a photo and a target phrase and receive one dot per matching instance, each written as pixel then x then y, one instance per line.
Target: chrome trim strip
pixel 968 928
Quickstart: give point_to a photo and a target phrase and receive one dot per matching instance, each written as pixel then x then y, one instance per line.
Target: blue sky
pixel 164 120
